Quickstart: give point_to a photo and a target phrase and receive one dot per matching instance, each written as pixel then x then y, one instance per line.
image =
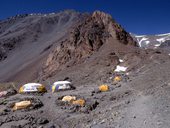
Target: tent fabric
pixel 32 87
pixel 117 78
pixel 120 68
pixel 21 105
pixel 61 85
pixel 103 88
pixel 80 102
pixel 62 82
pixel 68 98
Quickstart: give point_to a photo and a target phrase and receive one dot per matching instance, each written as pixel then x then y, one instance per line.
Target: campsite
pixel 83 103
pixel 90 105
pixel 63 68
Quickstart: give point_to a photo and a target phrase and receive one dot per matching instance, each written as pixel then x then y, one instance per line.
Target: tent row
pixel 37 87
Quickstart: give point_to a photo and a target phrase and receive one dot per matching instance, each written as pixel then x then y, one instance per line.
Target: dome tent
pixel 117 78
pixel 61 85
pixel 32 87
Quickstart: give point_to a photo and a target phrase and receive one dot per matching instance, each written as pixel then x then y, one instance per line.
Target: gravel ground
pixel 141 100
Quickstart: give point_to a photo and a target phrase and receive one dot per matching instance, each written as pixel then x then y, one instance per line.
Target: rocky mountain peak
pixel 59 41
pixel 105 18
pixel 85 39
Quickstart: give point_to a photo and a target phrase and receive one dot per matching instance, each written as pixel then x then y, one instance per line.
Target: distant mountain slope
pixel 27 39
pixel 152 41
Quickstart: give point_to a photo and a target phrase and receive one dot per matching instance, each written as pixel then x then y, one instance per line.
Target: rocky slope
pixel 25 40
pixel 40 46
pixel 97 35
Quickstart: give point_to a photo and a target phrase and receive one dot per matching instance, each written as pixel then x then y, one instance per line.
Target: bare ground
pixel 140 102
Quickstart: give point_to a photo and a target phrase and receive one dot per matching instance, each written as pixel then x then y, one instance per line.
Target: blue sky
pixel 136 16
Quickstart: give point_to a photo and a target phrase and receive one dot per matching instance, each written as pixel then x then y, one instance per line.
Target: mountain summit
pixel 96 34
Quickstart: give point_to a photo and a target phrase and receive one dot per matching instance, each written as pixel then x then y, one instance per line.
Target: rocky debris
pixel 31 121
pixel 42 121
pixel 90 106
pixel 165 44
pixel 11 92
pixel 67 79
pixel 3 54
pixel 4 111
pixel 34 93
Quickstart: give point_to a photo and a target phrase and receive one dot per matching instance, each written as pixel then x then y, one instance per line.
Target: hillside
pixel 36 47
pixel 27 39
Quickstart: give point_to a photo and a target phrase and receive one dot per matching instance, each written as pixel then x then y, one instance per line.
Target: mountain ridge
pixel 152 41
pixel 25 39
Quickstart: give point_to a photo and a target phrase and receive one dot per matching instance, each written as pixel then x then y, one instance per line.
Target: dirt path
pixel 139 114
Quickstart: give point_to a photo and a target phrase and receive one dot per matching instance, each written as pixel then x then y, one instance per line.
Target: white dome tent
pixel 32 87
pixel 61 85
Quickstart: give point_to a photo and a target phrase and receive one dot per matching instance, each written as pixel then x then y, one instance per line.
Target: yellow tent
pixel 117 78
pixel 22 105
pixel 103 88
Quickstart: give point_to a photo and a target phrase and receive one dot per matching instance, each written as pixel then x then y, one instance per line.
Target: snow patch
pixel 120 60
pixel 140 41
pixel 52 13
pixel 157 45
pixel 120 68
pixel 161 40
pixel 140 35
pixel 167 34
pixel 147 42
